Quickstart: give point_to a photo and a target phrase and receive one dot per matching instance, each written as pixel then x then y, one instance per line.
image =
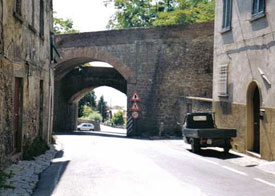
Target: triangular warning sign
pixel 135 97
pixel 135 107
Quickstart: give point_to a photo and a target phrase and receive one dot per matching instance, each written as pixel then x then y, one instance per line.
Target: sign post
pixel 135 109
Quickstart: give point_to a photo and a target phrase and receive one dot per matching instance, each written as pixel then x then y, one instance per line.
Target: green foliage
pixel 102 108
pixel 86 111
pixel 3 177
pixel 95 116
pixel 141 13
pixel 88 100
pixel 90 114
pixel 34 149
pixel 187 12
pixel 118 118
pixel 135 13
pixel 61 26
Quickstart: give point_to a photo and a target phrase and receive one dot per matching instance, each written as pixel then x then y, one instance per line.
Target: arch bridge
pixel 161 64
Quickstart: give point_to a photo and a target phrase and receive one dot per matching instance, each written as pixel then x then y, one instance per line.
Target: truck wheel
pixel 195 145
pixel 226 150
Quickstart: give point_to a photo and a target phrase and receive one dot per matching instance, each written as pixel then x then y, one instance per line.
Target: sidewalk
pixel 25 174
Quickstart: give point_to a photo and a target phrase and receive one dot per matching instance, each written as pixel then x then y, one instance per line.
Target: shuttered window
pixel 258 7
pixel 227 14
pixel 223 79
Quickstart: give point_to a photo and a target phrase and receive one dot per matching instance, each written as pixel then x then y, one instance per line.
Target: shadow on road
pixel 96 133
pixel 51 176
pixel 217 154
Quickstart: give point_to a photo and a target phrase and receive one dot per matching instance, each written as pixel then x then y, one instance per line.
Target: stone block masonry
pixel 161 64
pixel 26 77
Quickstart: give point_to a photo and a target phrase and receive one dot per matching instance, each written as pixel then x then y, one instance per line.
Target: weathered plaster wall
pixel 248 47
pixel 24 54
pixel 161 64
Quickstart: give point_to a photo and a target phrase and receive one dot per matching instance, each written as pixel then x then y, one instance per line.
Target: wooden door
pixel 18 106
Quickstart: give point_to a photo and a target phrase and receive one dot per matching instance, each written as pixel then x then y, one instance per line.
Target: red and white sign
pixel 135 115
pixel 135 97
pixel 135 107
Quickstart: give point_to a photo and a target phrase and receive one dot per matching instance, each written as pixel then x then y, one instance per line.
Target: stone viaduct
pixel 161 64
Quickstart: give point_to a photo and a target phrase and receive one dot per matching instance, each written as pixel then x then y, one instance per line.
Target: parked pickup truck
pixel 199 130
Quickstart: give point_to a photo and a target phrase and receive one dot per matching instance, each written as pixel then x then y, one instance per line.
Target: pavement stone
pixel 25 174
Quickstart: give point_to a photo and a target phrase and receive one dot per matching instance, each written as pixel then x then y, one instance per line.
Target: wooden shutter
pixel 223 79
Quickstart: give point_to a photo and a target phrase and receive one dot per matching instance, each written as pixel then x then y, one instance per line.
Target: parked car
pixel 86 127
pixel 199 130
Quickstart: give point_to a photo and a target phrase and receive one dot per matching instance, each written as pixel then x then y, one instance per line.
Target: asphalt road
pixel 107 163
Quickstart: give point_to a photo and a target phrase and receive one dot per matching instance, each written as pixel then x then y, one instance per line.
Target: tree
pixel 141 13
pixel 102 108
pixel 135 13
pixel 118 118
pixel 88 100
pixel 61 26
pixel 188 11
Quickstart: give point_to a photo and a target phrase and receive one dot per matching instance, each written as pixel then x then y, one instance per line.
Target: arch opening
pixel 76 84
pixel 253 118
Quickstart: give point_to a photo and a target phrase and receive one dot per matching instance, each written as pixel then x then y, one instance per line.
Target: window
pixel 41 18
pixel 222 85
pixel 258 7
pixel 227 14
pixel 18 7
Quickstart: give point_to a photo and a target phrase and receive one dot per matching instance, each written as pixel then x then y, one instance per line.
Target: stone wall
pixel 161 64
pixel 25 54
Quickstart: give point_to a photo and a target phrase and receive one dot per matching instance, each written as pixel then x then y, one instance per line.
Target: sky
pixel 87 16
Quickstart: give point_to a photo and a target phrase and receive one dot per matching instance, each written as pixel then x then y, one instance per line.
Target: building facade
pixel 25 75
pixel 243 79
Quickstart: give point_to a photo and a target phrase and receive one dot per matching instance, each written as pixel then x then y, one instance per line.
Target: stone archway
pixel 253 117
pixel 74 85
pixel 70 58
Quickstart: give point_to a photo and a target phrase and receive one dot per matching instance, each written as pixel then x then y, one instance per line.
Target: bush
pixel 3 177
pixel 34 149
pixel 118 118
pixel 90 114
pixel 95 116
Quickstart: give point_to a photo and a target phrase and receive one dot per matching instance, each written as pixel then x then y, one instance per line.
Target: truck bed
pixel 209 133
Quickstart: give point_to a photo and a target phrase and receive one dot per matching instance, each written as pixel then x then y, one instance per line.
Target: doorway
pixel 253 114
pixel 18 108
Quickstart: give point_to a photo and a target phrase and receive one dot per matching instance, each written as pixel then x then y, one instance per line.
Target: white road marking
pixel 234 170
pixel 265 182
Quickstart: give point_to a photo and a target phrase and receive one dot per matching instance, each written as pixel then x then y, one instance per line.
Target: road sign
pixel 135 97
pixel 135 115
pixel 135 107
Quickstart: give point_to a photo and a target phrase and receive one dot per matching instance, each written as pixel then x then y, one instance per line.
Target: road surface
pixel 107 163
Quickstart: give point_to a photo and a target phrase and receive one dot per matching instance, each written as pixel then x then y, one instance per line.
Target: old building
pixel 25 75
pixel 243 90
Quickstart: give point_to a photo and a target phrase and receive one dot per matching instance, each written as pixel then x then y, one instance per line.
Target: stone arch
pixel 76 97
pixel 74 85
pixel 72 57
pixel 254 101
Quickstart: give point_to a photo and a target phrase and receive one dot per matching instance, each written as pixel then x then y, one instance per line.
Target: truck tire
pixel 195 145
pixel 227 146
pixel 226 150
